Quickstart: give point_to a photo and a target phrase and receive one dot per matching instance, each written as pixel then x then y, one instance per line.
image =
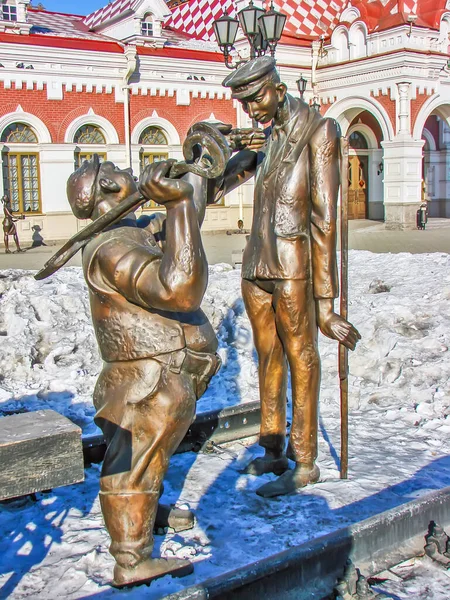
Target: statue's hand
pixel 335 327
pixel 154 184
pixel 249 139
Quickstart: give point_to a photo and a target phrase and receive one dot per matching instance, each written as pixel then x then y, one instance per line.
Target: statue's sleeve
pixel 324 155
pixel 240 168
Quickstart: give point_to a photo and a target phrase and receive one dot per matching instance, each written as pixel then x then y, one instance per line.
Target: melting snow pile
pixel 399 426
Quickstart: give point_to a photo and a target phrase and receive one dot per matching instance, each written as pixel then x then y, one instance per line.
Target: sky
pixel 75 7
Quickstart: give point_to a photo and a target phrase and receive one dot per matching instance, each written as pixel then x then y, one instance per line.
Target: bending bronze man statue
pixel 9 225
pixel 159 350
pixel 289 268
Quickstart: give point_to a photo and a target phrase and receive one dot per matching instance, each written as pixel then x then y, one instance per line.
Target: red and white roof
pixel 197 16
pixel 308 18
pixel 192 21
pixel 114 9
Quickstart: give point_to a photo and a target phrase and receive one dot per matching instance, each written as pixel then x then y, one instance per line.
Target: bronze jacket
pixel 293 235
pixel 126 327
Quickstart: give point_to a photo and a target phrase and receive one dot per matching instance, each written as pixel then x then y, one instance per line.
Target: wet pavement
pixel 221 247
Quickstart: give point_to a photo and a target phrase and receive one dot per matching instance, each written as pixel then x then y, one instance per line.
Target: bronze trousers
pixel 283 319
pixel 144 410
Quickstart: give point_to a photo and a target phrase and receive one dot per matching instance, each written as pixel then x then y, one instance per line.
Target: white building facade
pixel 129 80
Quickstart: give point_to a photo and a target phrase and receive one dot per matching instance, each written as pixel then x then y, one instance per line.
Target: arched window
pixel 21 168
pixel 147 26
pixel 18 133
pixel 88 135
pixel 357 141
pixel 152 136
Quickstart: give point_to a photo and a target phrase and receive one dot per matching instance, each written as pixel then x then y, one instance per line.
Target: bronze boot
pixel 129 519
pixel 290 481
pixel 268 463
pixel 178 519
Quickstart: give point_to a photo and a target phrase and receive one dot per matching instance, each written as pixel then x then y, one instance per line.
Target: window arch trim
pixel 18 133
pixel 169 130
pixel 157 133
pixel 39 128
pixel 106 126
pixel 89 134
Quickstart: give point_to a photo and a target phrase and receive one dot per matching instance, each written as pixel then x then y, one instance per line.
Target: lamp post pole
pixel 262 29
pixel 301 85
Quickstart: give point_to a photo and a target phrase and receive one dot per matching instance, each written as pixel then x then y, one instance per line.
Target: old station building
pixel 128 80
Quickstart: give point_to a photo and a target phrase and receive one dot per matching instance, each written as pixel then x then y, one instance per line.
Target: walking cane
pixel 343 351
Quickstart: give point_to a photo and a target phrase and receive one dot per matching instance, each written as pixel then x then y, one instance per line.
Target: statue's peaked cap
pixel 250 77
pixel 81 188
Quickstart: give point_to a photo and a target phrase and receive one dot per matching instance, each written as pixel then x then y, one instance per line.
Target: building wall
pixel 388 85
pixel 56 159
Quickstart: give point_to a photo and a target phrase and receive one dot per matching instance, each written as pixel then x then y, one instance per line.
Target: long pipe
pixel 130 55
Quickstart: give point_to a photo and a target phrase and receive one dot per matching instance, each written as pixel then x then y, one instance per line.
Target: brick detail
pixel 182 117
pixel 388 105
pixel 57 115
pixel 416 105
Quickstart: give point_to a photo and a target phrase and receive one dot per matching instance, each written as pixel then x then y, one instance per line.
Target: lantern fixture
pixel 248 18
pixel 316 104
pixel 263 30
pixel 301 85
pixel 272 24
pixel 225 29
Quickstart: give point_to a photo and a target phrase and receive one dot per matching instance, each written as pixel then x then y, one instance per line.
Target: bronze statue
pixel 146 281
pixel 9 225
pixel 289 269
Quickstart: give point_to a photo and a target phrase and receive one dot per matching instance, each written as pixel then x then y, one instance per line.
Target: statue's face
pixel 263 105
pixel 121 178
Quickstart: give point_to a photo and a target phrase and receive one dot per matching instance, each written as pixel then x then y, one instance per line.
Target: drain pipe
pixel 130 55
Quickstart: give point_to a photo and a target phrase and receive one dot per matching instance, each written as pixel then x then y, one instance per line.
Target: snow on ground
pixel 418 578
pixel 399 426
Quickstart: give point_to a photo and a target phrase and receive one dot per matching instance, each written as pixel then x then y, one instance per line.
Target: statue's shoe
pixel 290 481
pixel 175 518
pixel 150 569
pixel 263 464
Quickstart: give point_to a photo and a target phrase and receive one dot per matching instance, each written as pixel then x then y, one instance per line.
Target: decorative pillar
pixel 402 172
pixel 445 153
pixel 403 109
pixel 402 182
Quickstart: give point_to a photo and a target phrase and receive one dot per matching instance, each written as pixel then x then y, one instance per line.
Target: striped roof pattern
pixel 196 17
pixel 109 11
pixel 310 18
pixel 305 17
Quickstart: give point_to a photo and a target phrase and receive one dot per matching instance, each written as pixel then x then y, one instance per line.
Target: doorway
pixel 357 187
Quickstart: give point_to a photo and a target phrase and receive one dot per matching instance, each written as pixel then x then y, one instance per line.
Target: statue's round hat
pixel 81 188
pixel 250 77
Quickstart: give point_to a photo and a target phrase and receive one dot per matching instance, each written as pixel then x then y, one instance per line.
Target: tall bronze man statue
pixel 289 268
pixel 9 225
pixel 145 287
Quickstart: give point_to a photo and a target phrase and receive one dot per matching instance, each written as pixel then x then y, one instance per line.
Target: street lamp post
pixel 316 104
pixel 301 85
pixel 263 30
